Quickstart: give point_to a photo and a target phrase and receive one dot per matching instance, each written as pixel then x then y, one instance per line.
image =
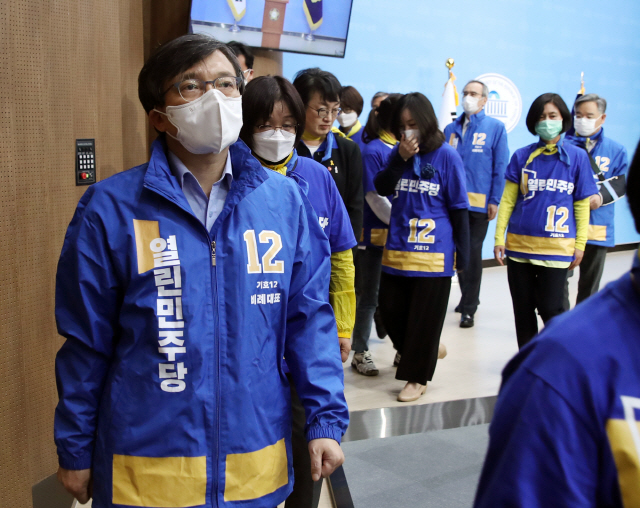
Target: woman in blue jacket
pixel 273 121
pixel 545 204
pixel 429 223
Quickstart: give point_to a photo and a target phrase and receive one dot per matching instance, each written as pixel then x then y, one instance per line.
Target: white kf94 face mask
pixel 347 119
pixel 470 104
pixel 273 145
pixel 209 124
pixel 585 126
pixel 412 133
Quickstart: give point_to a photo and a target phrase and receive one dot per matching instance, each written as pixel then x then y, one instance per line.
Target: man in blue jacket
pixel 481 141
pixel 566 428
pixel 181 286
pixel 609 164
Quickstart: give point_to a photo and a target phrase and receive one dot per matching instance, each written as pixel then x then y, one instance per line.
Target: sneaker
pixel 442 351
pixel 363 363
pixel 396 360
pixel 381 331
pixel 466 321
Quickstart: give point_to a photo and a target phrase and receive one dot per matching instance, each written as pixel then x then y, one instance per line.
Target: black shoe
pixel 381 331
pixel 466 321
pixel 458 309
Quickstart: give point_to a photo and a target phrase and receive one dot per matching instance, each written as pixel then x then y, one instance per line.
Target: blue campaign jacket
pixel 375 155
pixel 170 381
pixel 611 158
pixel 542 225
pixel 420 241
pixel 569 405
pixel 485 153
pixel 322 192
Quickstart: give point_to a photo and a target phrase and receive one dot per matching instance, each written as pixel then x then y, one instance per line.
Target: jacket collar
pixel 473 121
pixel 248 174
pixel 580 140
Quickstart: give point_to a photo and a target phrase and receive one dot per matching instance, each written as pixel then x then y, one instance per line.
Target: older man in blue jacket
pixel 182 285
pixel 481 141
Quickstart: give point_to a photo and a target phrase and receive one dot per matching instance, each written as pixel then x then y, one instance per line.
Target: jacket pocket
pixel 163 482
pixel 256 474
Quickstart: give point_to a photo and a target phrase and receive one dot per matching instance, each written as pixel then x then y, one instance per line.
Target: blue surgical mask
pixel 549 129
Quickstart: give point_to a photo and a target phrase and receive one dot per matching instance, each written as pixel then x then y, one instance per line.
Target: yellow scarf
pixel 309 137
pixel 354 129
pixel 337 131
pixel 387 138
pixel 278 168
pixel 546 150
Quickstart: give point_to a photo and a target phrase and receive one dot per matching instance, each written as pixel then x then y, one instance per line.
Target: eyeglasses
pixel 192 89
pixel 290 128
pixel 324 112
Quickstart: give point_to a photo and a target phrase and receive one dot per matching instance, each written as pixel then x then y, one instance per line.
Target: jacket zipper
pixel 216 436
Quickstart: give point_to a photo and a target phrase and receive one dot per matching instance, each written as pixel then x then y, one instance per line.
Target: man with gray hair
pixel 609 163
pixel 481 141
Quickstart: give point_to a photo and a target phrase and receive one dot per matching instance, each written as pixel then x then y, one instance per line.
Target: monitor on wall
pixel 316 27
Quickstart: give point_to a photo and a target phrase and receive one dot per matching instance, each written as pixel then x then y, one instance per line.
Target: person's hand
pixel 345 348
pixel 595 201
pixel 492 211
pixel 408 147
pixel 577 258
pixel 77 483
pixel 326 456
pixel 500 252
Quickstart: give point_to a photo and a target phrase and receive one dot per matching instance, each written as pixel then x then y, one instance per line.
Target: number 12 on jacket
pixel 423 236
pixel 268 264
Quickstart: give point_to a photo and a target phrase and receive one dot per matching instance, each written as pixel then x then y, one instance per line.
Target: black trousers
pixel 591 269
pixel 471 277
pixel 306 492
pixel 534 287
pixel 413 311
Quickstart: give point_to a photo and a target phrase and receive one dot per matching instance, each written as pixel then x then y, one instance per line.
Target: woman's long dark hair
pixel 381 121
pixel 431 137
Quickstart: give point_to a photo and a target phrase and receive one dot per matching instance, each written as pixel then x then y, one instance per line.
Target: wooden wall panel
pixel 68 70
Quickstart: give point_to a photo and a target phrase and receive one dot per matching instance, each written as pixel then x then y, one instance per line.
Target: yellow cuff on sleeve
pixel 342 294
pixel 581 212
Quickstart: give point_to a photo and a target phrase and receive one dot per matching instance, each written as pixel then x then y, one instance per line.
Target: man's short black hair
pixel 431 137
pixel 242 49
pixel 172 59
pixel 310 81
pixel 537 108
pixel 633 187
pixel 351 99
pixel 259 99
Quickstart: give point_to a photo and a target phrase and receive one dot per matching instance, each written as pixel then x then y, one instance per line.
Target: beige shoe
pixel 411 392
pixel 442 351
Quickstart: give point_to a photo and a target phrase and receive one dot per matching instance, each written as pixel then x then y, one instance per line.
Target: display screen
pixel 318 27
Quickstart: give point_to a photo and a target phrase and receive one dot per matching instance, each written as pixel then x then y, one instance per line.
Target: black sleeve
pixel 354 198
pixel 386 180
pixel 612 189
pixel 460 224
